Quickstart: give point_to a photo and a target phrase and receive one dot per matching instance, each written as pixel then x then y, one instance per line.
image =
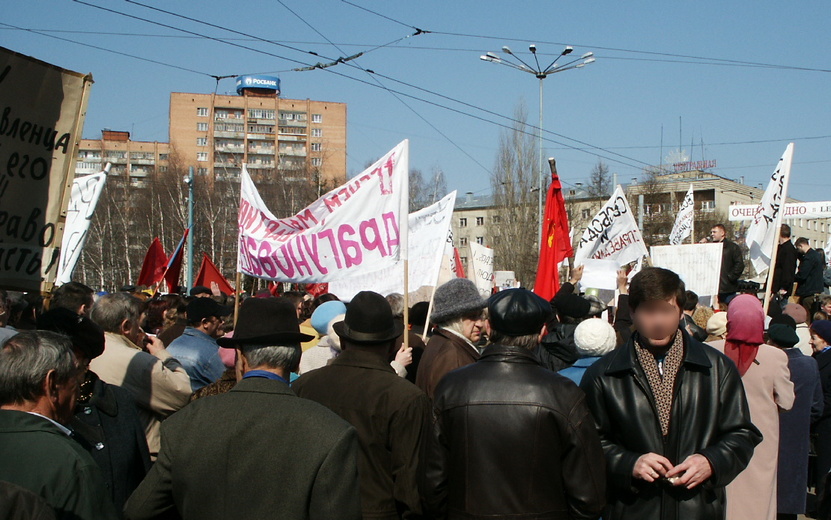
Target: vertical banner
pixel 612 234
pixel 353 229
pixel 82 202
pixel 685 219
pixel 42 110
pixel 763 233
pixel 480 268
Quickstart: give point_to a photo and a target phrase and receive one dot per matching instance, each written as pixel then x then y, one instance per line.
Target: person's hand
pixel 215 289
pixel 404 356
pixel 576 275
pixel 693 471
pixel 651 466
pixel 153 344
pixel 622 281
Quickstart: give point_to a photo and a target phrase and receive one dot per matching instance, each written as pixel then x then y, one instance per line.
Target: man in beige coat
pixel 157 381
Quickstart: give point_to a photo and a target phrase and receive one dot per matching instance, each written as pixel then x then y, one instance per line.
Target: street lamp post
pixel 540 73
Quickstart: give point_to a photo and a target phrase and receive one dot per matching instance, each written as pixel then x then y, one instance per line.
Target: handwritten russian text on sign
pixel 352 229
pixel 612 234
pixel 82 202
pixel 42 109
pixel 480 268
pixel 699 265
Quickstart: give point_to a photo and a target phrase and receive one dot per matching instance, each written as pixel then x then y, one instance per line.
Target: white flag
pixel 612 234
pixel 481 268
pixel 763 233
pixel 828 252
pixel 82 202
pixel 353 229
pixel 429 229
pixel 684 220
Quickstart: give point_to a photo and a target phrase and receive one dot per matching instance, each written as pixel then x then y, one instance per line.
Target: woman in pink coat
pixel 767 385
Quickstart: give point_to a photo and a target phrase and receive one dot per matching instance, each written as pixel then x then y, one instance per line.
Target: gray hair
pixel 528 341
pixel 26 359
pixel 111 310
pixel 396 301
pixel 272 356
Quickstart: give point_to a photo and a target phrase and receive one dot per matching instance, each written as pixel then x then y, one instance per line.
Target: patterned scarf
pixel 662 382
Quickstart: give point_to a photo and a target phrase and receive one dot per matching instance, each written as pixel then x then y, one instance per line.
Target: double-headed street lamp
pixel 541 73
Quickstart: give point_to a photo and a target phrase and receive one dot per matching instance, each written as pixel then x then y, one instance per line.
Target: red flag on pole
pixel 460 269
pixel 152 269
pixel 556 243
pixel 208 273
pixel 174 265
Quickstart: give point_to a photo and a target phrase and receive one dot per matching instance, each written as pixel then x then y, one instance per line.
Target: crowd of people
pixel 652 405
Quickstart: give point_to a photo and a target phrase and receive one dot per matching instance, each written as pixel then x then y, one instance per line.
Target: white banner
pixel 612 234
pixel 353 229
pixel 685 219
pixel 763 233
pixel 429 228
pixel 828 251
pixel 82 202
pixel 480 268
pixel 699 265
pixel 793 210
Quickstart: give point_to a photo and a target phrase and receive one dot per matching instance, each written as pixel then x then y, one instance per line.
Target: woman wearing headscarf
pixel 767 385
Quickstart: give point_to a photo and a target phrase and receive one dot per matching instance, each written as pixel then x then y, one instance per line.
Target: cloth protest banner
pixel 154 265
pixel 429 229
pixel 612 234
pixel 685 220
pixel 43 109
pixel 556 242
pixel 793 210
pixel 353 229
pixel 698 265
pixel 82 202
pixel 174 264
pixel 480 268
pixel 763 233
pixel 209 273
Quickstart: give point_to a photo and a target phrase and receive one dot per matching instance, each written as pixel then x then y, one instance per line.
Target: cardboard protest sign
pixel 612 234
pixel 353 229
pixel 429 229
pixel 480 268
pixel 42 109
pixel 85 193
pixel 699 265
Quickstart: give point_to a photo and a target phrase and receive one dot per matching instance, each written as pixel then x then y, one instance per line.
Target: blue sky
pixel 744 114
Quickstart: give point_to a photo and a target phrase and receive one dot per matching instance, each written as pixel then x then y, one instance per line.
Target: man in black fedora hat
pixel 512 439
pixel 247 453
pixel 389 412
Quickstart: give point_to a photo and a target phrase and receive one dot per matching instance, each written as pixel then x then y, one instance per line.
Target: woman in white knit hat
pixel 594 338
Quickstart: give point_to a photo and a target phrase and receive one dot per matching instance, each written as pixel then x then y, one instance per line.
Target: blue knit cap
pixel 324 314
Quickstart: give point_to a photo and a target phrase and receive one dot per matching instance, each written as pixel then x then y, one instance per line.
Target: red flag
pixel 208 273
pixel 152 269
pixel 460 269
pixel 556 243
pixel 316 289
pixel 174 265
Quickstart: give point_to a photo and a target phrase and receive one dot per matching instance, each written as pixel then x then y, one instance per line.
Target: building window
pixel 480 221
pixel 464 262
pixel 463 222
pixel 496 219
pixel 201 141
pixel 317 161
pixel 480 241
pixel 316 147
pixel 317 132
pixel 202 171
pixel 163 169
pixel 586 213
pixel 260 113
pixel 202 112
pixel 201 127
pixel 201 156
pixel 463 241
pixel 708 205
pixel 317 118
pixel 162 156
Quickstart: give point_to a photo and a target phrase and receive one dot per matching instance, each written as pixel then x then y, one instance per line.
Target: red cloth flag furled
pixel 556 243
pixel 153 267
pixel 174 265
pixel 209 273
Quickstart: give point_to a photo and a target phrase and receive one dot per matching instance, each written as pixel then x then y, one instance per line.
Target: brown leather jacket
pixel 511 439
pixel 444 352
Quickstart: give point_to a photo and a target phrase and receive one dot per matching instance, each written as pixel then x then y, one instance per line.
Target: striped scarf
pixel 662 380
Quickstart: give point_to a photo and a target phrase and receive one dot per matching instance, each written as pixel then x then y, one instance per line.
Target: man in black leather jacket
pixel 671 412
pixel 510 438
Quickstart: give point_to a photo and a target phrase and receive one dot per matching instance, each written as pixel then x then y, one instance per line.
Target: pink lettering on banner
pixel 346 245
pixel 330 234
pixel 313 252
pixel 300 260
pixel 391 227
pixel 376 242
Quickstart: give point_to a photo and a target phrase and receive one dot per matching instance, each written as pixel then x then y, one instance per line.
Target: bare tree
pixel 513 180
pixel 600 181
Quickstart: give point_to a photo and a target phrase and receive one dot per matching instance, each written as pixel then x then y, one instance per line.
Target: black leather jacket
pixel 512 439
pixel 710 416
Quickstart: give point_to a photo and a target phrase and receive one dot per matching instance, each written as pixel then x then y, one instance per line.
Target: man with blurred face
pixel 671 413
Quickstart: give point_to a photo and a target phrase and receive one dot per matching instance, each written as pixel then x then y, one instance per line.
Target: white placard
pixel 698 265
